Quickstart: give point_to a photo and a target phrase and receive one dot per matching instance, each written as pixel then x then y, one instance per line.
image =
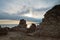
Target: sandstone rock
pixel 22 26
pixel 17 29
pixel 7 28
pixel 14 29
pixel 32 28
pixel 50 25
pixel 22 23
pixel 3 31
pixel 38 27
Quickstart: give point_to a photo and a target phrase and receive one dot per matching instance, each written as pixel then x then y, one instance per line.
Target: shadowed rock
pixel 22 23
pixel 22 26
pixel 32 28
pixel 50 25
pixel 3 31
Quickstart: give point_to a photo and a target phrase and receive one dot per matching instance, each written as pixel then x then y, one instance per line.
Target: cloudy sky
pixel 27 9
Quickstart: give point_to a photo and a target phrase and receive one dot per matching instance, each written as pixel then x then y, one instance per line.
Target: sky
pixel 25 9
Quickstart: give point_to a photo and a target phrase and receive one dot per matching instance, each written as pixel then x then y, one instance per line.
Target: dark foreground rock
pixel 22 36
pixel 3 31
pixel 50 25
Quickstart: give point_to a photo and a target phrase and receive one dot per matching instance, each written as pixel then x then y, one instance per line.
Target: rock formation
pixel 50 25
pixel 22 23
pixel 3 31
pixel 15 29
pixel 22 26
pixel 32 28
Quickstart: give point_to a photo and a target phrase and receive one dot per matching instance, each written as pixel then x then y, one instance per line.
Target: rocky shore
pixel 48 29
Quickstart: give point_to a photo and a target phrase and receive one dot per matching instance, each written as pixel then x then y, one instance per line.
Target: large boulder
pixel 50 25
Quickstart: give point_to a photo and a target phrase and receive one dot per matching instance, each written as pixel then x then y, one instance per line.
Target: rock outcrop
pixel 22 24
pixel 50 25
pixel 3 31
pixel 32 28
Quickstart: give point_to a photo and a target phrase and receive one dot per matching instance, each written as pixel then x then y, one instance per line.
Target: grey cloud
pixel 26 10
pixel 4 15
pixel 41 9
pixel 23 12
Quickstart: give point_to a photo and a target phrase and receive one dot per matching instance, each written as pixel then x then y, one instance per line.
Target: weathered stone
pixel 22 23
pixel 17 29
pixel 7 28
pixel 32 28
pixel 22 26
pixel 3 31
pixel 50 25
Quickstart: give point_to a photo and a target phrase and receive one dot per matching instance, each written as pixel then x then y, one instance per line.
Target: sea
pixel 13 23
pixel 8 25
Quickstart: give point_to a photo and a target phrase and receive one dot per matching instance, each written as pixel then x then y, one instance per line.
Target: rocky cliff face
pixel 50 25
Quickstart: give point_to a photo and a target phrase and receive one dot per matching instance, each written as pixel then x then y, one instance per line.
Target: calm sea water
pixel 8 25
pixel 13 25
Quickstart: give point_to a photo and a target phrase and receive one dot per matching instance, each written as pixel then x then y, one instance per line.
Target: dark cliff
pixel 50 25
